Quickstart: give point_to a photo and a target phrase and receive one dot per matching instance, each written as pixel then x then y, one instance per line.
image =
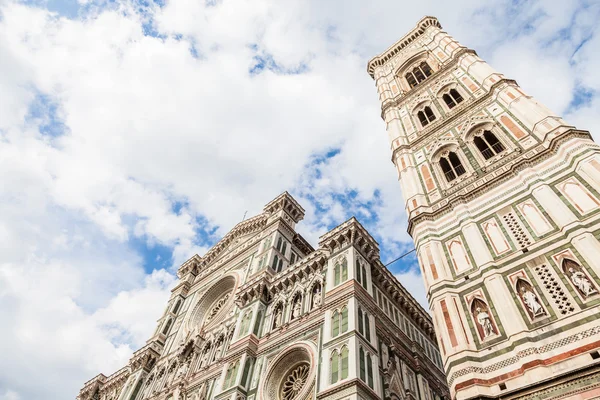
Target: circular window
pixel 214 304
pixel 291 375
pixel 295 382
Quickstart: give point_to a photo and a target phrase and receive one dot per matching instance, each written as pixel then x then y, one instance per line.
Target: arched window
pixel 344 270
pixel 231 375
pixel 418 74
pixel 452 98
pixel 361 362
pixel 336 274
pixel 275 262
pixel 344 315
pixel 369 371
pixel 259 317
pixel 177 306
pixel 364 276
pixel 488 144
pixel 167 327
pixel 283 248
pixel 279 242
pixel 335 324
pixel 426 116
pixel 367 328
pixel 451 166
pixel 361 328
pixel 334 366
pixel 344 369
pixel 244 326
pixel 358 268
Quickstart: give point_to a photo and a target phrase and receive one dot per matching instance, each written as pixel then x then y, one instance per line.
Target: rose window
pixel 294 382
pixel 216 308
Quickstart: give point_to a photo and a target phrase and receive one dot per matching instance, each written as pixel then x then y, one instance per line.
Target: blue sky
pixel 135 134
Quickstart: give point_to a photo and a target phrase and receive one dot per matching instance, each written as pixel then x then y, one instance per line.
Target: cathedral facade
pixel 265 316
pixel 503 201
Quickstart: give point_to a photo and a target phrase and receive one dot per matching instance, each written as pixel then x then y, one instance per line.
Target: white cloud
pixel 163 147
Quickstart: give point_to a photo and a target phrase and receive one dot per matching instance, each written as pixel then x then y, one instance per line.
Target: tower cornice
pixel 417 31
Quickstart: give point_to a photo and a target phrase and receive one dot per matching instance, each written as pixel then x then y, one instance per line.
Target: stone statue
pixel 483 319
pixel 581 282
pixel 278 316
pixel 316 300
pixel 183 369
pixel 297 308
pixel 531 301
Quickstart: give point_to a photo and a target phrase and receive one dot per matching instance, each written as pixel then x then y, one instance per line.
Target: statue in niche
pixel 581 282
pixel 483 319
pixel 278 317
pixel 297 307
pixel 531 301
pixel 316 299
pixel 183 369
pixel 578 277
pixel 481 314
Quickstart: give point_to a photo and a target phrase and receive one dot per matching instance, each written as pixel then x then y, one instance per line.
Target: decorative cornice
pixel 461 112
pixel 433 80
pixel 243 228
pixel 411 36
pixel 388 282
pixel 286 202
pixel 146 356
pixel 529 159
pixel 354 233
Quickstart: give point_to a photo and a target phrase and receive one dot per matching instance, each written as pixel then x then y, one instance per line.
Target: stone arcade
pixel 503 202
pixel 263 315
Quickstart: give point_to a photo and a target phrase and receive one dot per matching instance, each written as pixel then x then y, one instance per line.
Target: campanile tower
pixel 503 201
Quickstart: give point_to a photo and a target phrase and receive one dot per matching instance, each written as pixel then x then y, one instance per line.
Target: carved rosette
pixel 290 375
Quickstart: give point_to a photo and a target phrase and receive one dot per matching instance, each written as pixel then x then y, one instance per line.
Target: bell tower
pixel 503 201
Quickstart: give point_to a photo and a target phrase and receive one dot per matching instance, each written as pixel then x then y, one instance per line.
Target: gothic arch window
pixel 365 367
pixel 488 144
pixel 340 271
pixel 426 116
pixel 177 307
pixel 530 301
pixel 369 371
pixel 277 264
pixel 167 327
pixel 259 317
pixel 335 323
pixel 231 375
pixel 483 319
pixel 452 98
pixel 279 242
pixel 361 273
pixel 451 166
pixel 245 324
pixel 339 321
pixel 339 365
pixel 579 278
pixel 418 74
pixel 334 366
pixel 361 365
pixel 364 326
